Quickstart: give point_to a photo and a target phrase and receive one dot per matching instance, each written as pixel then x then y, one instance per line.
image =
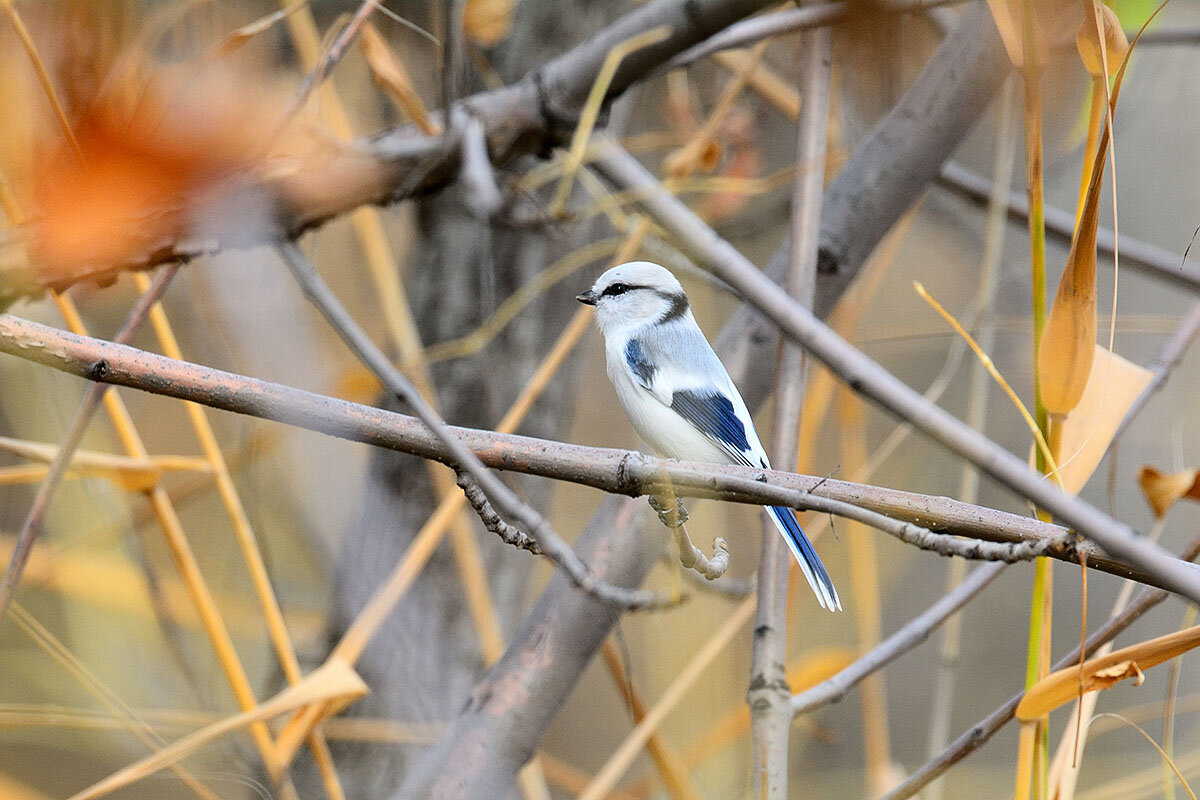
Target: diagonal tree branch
pixel 614 471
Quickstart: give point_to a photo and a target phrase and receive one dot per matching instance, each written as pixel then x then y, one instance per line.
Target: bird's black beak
pixel 587 298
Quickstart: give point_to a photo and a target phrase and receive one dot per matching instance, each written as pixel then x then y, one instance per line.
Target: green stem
pixel 1038 630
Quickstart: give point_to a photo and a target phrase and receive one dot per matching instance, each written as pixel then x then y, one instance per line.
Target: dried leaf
pixel 1116 45
pixel 393 78
pixel 488 21
pixel 1055 21
pixel 239 37
pixel 1062 687
pixel 1105 678
pixel 1111 389
pixel 1164 490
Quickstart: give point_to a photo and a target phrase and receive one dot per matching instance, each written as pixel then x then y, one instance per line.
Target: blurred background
pixel 165 95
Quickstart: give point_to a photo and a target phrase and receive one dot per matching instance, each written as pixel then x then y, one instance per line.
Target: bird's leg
pixel 671 512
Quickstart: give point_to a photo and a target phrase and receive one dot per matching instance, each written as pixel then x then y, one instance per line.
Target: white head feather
pixel 634 295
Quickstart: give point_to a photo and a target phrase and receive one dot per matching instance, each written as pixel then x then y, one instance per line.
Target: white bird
pixel 676 391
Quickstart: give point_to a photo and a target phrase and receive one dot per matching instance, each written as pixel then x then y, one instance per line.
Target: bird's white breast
pixel 669 434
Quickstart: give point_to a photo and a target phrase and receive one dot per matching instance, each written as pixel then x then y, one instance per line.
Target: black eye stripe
pixel 614 289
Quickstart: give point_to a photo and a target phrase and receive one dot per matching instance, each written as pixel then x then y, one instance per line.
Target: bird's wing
pixel 677 366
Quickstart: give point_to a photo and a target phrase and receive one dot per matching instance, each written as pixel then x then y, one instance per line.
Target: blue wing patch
pixel 713 414
pixel 635 357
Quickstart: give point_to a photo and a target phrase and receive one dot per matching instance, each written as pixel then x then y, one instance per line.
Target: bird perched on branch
pixel 677 393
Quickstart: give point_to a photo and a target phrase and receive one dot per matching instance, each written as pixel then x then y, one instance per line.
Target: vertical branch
pixel 769 695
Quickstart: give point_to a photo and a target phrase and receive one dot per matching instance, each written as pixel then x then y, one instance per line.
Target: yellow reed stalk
pixel 868 607
pixel 185 562
pixel 678 781
pixel 990 366
pixel 246 539
pixel 334 682
pixel 628 750
pixel 591 108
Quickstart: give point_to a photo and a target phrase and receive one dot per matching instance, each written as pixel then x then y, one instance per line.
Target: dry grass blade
pixel 335 684
pixel 990 366
pixel 132 474
pixel 239 37
pixel 1062 686
pixel 393 78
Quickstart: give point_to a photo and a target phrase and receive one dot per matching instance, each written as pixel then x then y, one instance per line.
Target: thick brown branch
pixel 616 471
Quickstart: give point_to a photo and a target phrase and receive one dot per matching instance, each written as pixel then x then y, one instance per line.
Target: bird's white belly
pixel 669 434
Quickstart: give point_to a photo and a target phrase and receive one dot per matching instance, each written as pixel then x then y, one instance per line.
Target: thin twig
pixel 316 76
pixel 35 518
pixel 912 634
pixel 490 519
pixel 610 470
pixel 768 693
pixel 460 456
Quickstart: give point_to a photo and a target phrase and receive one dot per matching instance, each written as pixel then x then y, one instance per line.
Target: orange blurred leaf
pixel 1063 686
pixel 140 174
pixel 1163 489
pixel 488 21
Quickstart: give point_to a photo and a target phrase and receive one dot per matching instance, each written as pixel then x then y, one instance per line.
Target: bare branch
pixel 791 20
pixel 616 471
pixel 490 519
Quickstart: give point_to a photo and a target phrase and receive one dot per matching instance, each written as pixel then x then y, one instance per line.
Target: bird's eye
pixel 615 289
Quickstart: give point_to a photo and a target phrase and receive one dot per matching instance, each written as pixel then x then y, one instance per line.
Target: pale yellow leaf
pixel 1115 42
pixel 1111 389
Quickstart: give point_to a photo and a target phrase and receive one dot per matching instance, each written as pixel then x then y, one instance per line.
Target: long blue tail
pixel 810 563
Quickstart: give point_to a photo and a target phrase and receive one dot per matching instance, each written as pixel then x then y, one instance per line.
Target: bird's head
pixel 634 295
